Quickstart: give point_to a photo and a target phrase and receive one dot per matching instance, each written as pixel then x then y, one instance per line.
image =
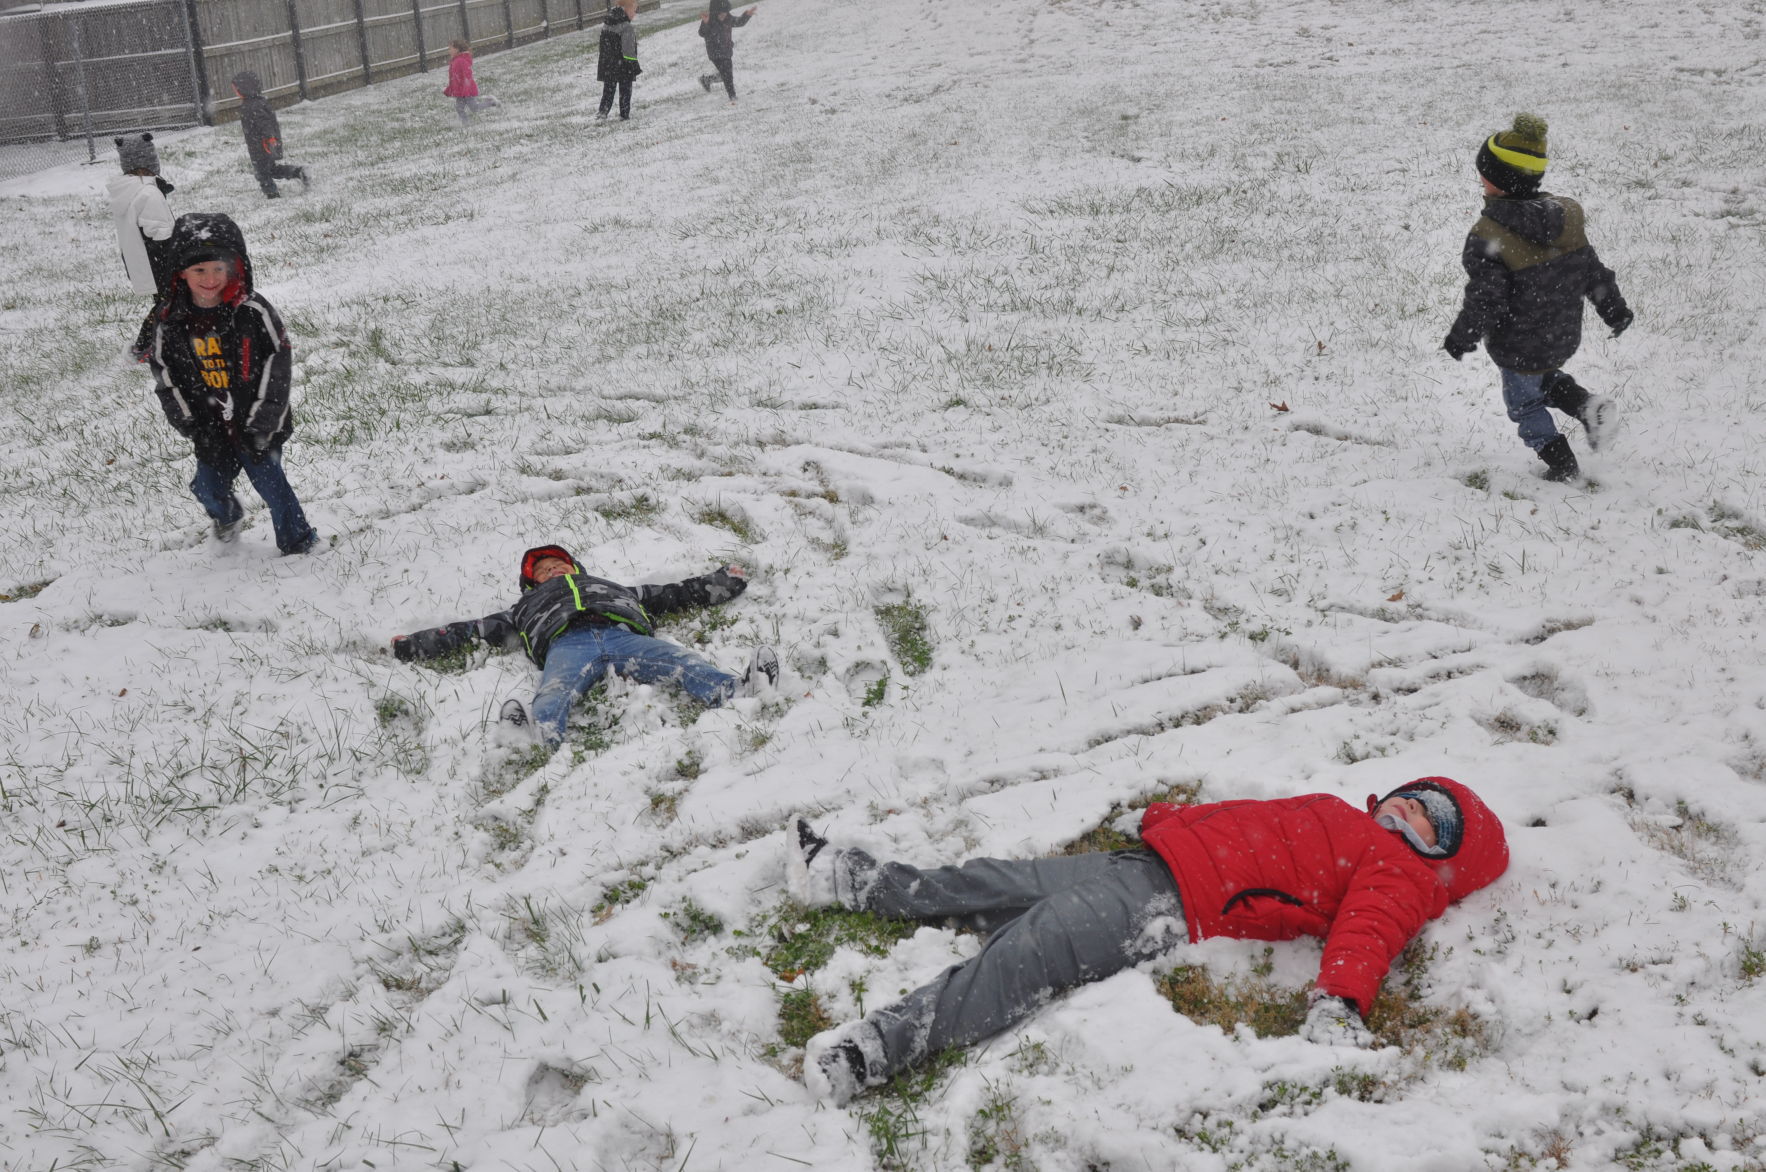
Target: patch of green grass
pixel 745 530
pixel 640 508
pixel 391 708
pixel 801 1017
pixel 696 625
pixel 1479 480
pixel 996 1134
pixel 1269 1009
pixel 693 923
pixel 28 590
pixel 893 1122
pixel 909 635
pixel 455 662
pixel 689 766
pixel 617 896
pixel 875 692
pixel 1104 837
pixel 804 940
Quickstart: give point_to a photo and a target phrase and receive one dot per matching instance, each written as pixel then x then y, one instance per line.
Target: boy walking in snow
pixel 1249 870
pixel 144 224
pixel 720 45
pixel 263 136
pixel 462 86
pixel 1528 266
pixel 576 628
pixel 618 65
pixel 221 364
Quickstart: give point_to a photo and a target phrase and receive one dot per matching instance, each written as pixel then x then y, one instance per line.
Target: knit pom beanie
pixel 136 153
pixel 1514 159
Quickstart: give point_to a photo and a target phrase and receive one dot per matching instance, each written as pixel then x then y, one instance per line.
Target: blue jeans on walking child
pixel 213 489
pixel 1524 396
pixel 582 656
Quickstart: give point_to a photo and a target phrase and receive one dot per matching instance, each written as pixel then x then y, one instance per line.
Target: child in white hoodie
pixel 144 223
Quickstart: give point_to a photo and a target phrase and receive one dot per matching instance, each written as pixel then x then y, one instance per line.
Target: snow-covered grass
pixel 1068 374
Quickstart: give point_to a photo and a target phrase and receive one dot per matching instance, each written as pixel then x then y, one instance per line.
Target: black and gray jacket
pixel 222 374
pixel 547 610
pixel 619 48
pixel 257 118
pixel 1528 266
pixel 720 45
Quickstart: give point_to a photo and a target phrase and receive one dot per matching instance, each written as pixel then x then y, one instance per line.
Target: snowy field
pixel 1069 374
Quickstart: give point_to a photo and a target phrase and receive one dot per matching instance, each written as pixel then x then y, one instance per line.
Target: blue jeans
pixel 213 489
pixel 1524 396
pixel 582 656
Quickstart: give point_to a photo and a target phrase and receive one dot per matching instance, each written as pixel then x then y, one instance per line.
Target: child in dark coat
pixel 1249 870
pixel 462 86
pixel 144 225
pixel 618 65
pixel 576 628
pixel 263 136
pixel 720 45
pixel 222 366
pixel 1528 266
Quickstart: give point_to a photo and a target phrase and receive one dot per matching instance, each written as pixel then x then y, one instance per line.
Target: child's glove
pixel 1458 348
pixel 1334 1021
pixel 260 441
pixel 1622 324
pixel 433 642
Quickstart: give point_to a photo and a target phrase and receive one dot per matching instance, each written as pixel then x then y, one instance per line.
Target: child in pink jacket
pixel 462 86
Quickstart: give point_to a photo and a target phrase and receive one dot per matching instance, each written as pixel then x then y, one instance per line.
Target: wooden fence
pixel 303 49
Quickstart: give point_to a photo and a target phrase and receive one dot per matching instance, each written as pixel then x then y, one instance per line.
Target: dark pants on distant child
pixel 624 86
pixel 1056 924
pixel 726 69
pixel 467 107
pixel 269 170
pixel 213 488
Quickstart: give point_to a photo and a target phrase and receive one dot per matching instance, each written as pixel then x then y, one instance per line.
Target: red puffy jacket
pixel 1316 866
pixel 461 83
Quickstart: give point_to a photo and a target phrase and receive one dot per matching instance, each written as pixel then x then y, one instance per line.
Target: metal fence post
pixel 80 88
pixel 465 24
pixel 300 53
pixel 362 39
pixel 417 19
pixel 508 25
pixel 579 15
pixel 198 64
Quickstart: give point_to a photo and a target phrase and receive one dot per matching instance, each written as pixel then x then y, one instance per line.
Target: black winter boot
pixel 1560 461
pixel 1596 413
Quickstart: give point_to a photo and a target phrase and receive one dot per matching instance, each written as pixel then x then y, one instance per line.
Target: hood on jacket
pixel 720 7
pixel 1481 855
pixel 617 15
pixel 248 84
pixel 1537 219
pixel 539 553
pixel 200 236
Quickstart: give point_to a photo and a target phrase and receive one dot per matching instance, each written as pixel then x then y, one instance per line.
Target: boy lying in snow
pixel 576 628
pixel 1251 870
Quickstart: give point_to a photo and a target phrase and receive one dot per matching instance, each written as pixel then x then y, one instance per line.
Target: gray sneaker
pixel 227 531
pixel 762 664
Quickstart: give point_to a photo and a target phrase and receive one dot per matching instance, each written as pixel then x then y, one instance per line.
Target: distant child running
pixel 222 365
pixel 1528 266
pixel 462 86
pixel 720 45
pixel 144 224
pixel 1363 881
pixel 618 66
pixel 576 628
pixel 263 136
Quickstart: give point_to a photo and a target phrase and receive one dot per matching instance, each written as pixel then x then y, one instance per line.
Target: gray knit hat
pixel 136 153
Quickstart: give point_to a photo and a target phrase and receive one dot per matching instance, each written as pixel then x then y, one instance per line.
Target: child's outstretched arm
pixel 435 642
pixel 711 589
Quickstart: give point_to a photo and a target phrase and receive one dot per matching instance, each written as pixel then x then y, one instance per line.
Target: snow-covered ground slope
pixel 983 314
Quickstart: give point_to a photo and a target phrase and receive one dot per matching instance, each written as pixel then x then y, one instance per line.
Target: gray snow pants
pixel 1055 923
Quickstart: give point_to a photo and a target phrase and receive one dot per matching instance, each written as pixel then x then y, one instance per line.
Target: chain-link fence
pixel 73 77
